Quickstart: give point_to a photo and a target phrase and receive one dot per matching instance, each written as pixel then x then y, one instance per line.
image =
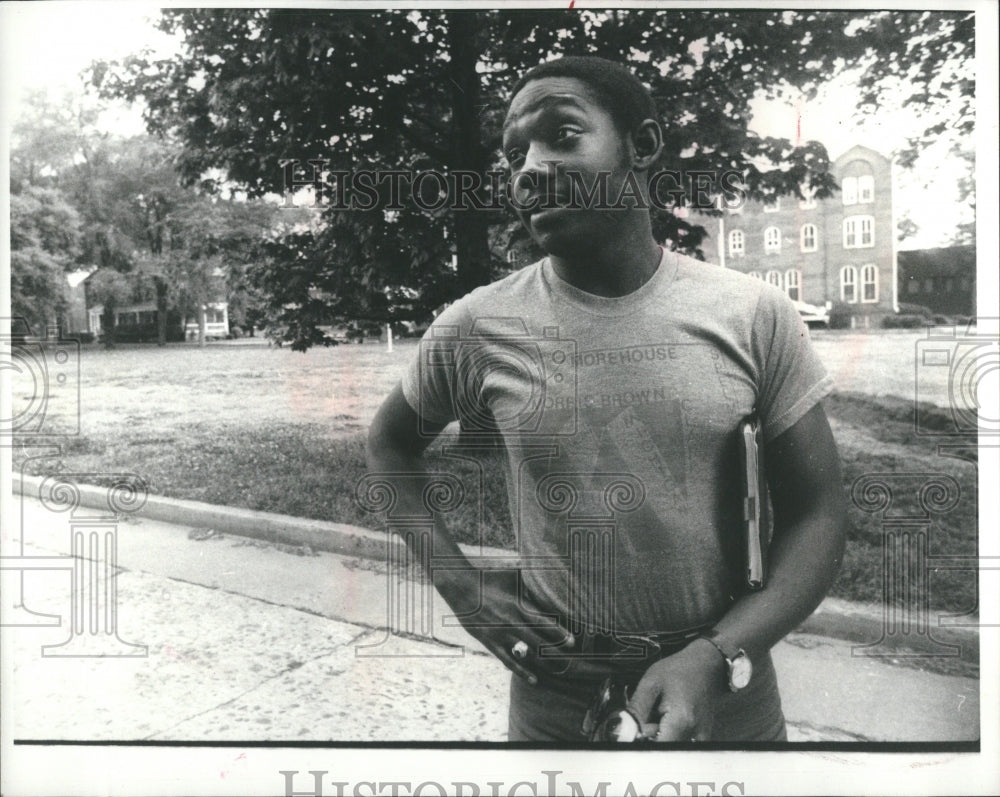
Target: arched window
pixel 793 280
pixel 774 278
pixel 869 283
pixel 772 239
pixel 808 202
pixel 866 188
pixel 849 190
pixel 848 284
pixel 807 238
pixel 736 242
pixel 859 232
pixel 755 274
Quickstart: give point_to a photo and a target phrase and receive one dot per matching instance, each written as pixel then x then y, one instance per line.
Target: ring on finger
pixel 520 649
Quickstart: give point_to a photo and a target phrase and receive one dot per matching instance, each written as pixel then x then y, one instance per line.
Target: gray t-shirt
pixel 618 418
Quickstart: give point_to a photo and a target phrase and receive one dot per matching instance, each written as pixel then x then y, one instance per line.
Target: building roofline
pixel 857 149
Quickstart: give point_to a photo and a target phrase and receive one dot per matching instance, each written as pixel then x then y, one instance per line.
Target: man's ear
pixel 647 141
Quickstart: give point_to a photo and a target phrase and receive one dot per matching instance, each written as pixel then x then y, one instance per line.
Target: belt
pixel 642 649
pixel 630 654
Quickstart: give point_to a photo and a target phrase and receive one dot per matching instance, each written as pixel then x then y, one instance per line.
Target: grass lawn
pixel 270 429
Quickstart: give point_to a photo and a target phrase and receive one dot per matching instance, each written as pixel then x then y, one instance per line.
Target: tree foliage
pixel 123 205
pixel 44 240
pixel 426 89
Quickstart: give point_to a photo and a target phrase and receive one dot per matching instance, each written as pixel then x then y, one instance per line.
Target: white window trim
pixel 776 247
pixel 802 238
pixel 866 189
pixel 808 201
pixel 793 279
pixel 844 283
pixel 735 235
pixel 755 274
pixel 871 230
pixel 780 284
pixel 863 282
pixel 854 241
pixel 849 191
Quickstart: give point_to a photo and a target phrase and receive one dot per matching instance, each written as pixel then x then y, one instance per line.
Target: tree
pixel 44 240
pixel 418 90
pixel 918 58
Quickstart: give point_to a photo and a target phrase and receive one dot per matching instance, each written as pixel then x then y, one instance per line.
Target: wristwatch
pixel 738 666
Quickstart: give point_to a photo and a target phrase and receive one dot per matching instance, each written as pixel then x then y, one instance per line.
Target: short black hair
pixel 616 88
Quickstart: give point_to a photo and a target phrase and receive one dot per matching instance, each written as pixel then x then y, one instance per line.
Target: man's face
pixel 555 128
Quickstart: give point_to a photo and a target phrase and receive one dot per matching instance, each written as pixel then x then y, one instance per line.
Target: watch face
pixel 739 674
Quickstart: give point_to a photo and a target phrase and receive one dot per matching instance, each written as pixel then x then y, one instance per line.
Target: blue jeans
pixel 554 713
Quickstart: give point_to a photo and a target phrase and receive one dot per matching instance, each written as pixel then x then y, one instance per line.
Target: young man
pixel 617 375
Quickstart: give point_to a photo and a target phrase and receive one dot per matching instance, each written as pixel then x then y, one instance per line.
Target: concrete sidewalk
pixel 247 640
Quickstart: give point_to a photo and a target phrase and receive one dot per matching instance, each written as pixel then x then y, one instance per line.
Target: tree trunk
pixel 471 226
pixel 202 323
pixel 161 311
pixel 108 324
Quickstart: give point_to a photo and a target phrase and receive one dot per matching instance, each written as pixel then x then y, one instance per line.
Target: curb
pixel 320 535
pixel 878 632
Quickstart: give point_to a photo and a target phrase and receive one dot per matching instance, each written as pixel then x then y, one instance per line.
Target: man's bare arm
pixel 396 445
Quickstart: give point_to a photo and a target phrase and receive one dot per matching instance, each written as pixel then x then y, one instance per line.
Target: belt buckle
pixel 648 641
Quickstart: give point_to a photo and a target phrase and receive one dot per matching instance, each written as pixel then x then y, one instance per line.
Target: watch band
pixel 738 666
pixel 709 636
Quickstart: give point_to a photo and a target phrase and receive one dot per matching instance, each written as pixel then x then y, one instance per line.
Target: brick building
pixel 837 252
pixel 942 279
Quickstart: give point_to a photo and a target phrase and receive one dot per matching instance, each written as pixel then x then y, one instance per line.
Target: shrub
pixel 840 315
pixel 904 321
pixel 914 309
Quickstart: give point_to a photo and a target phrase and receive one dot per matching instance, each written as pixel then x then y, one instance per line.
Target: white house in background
pixel 74 320
pixel 139 321
pixel 216 322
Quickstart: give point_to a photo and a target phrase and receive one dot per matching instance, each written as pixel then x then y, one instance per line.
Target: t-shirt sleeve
pixel 429 381
pixel 791 377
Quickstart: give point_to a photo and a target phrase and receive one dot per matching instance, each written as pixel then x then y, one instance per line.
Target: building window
pixel 912 286
pixel 867 231
pixel 869 283
pixel 807 238
pixel 793 280
pixel 949 285
pixel 755 274
pixel 929 285
pixel 511 256
pixel 849 190
pixel 772 205
pixel 859 232
pixel 774 278
pixel 736 244
pixel 772 239
pixel 848 284
pixel 866 188
pixel 808 201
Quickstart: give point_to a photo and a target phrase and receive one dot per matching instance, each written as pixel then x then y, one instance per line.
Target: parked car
pixel 813 315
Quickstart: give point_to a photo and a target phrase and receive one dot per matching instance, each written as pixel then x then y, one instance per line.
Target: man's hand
pixel 492 608
pixel 675 698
